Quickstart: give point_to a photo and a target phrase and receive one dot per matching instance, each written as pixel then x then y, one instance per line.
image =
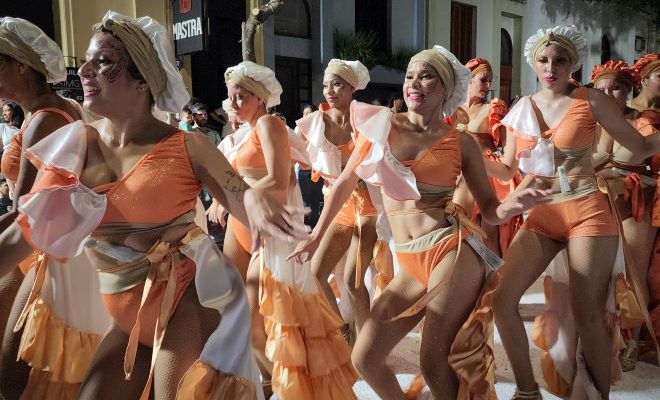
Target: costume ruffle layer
pixel 554 332
pixel 203 382
pixel 311 357
pixel 471 353
pixel 59 355
pixel 41 386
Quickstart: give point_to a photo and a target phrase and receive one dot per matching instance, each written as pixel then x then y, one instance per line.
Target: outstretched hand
pixel 305 250
pixel 519 202
pixel 270 218
pixel 216 214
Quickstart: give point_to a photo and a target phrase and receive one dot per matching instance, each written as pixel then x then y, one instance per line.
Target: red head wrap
pixel 617 69
pixel 477 65
pixel 647 64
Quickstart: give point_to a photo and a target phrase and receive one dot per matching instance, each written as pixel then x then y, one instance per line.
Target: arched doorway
pixel 506 65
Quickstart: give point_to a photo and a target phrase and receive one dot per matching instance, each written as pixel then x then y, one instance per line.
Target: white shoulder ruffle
pixel 378 166
pixel 61 213
pixel 536 154
pixel 325 157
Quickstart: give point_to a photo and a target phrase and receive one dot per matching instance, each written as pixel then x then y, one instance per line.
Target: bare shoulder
pixel 271 125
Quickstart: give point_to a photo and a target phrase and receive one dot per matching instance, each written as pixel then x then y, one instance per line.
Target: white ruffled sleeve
pixel 325 158
pixel 60 212
pixel 536 153
pixel 377 165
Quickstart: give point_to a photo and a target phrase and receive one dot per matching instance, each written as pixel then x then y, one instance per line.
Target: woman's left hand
pixel 519 202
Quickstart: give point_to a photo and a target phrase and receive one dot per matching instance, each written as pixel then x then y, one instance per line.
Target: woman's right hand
pixel 270 218
pixel 217 213
pixel 307 248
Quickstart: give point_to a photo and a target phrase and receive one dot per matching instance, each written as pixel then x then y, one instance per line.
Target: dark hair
pixel 310 105
pixel 17 115
pixel 197 107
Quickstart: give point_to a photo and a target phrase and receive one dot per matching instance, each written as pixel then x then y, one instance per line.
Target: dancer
pixel 29 60
pixel 147 253
pixel 328 133
pixel 416 158
pixel 295 333
pixel 555 130
pixel 632 184
pixel 647 104
pixel 486 127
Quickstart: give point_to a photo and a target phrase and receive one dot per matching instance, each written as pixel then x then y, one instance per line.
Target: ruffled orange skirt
pixel 312 360
pixel 59 355
pixel 203 382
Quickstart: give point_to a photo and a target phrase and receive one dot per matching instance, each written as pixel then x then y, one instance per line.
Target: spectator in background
pixel 201 118
pixel 311 191
pixel 12 119
pixel 218 119
pixel 186 123
pixel 5 199
pixel 398 105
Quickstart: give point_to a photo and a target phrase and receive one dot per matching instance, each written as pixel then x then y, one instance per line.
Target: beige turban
pixel 453 74
pixel 259 80
pixel 27 44
pixel 353 72
pixel 568 38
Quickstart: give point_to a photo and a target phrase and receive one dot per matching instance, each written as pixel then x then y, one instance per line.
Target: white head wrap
pixel 455 76
pixel 247 73
pixel 569 33
pixel 353 72
pixel 34 41
pixel 173 95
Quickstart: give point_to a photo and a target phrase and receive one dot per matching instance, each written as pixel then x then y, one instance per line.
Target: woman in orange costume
pixel 125 188
pixel 328 134
pixel 632 184
pixel 647 120
pixel 555 132
pixel 296 335
pixel 428 230
pixel 485 126
pixel 29 60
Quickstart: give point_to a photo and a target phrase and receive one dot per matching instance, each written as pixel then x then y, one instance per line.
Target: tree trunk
pixel 249 28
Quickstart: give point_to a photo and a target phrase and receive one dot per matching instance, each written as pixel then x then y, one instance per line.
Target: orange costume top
pixel 11 158
pixel 486 128
pixel 141 289
pixel 328 160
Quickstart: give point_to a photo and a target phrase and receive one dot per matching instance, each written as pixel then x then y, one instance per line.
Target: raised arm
pixel 341 190
pixel 266 215
pixel 611 118
pixel 38 128
pixel 493 211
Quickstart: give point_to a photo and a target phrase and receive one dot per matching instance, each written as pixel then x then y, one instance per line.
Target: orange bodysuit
pixel 486 129
pixel 582 211
pixel 165 174
pixel 249 162
pixel 11 158
pixel 439 167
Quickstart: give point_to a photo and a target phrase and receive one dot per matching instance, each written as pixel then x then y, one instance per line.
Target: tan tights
pixel 590 265
pixel 187 332
pixel 335 243
pixel 445 314
pixel 13 374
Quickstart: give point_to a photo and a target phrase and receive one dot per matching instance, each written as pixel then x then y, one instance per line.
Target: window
pixel 463 37
pixel 294 19
pixel 295 75
pixel 375 16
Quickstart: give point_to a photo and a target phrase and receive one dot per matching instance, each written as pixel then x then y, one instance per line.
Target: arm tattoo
pixel 235 184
